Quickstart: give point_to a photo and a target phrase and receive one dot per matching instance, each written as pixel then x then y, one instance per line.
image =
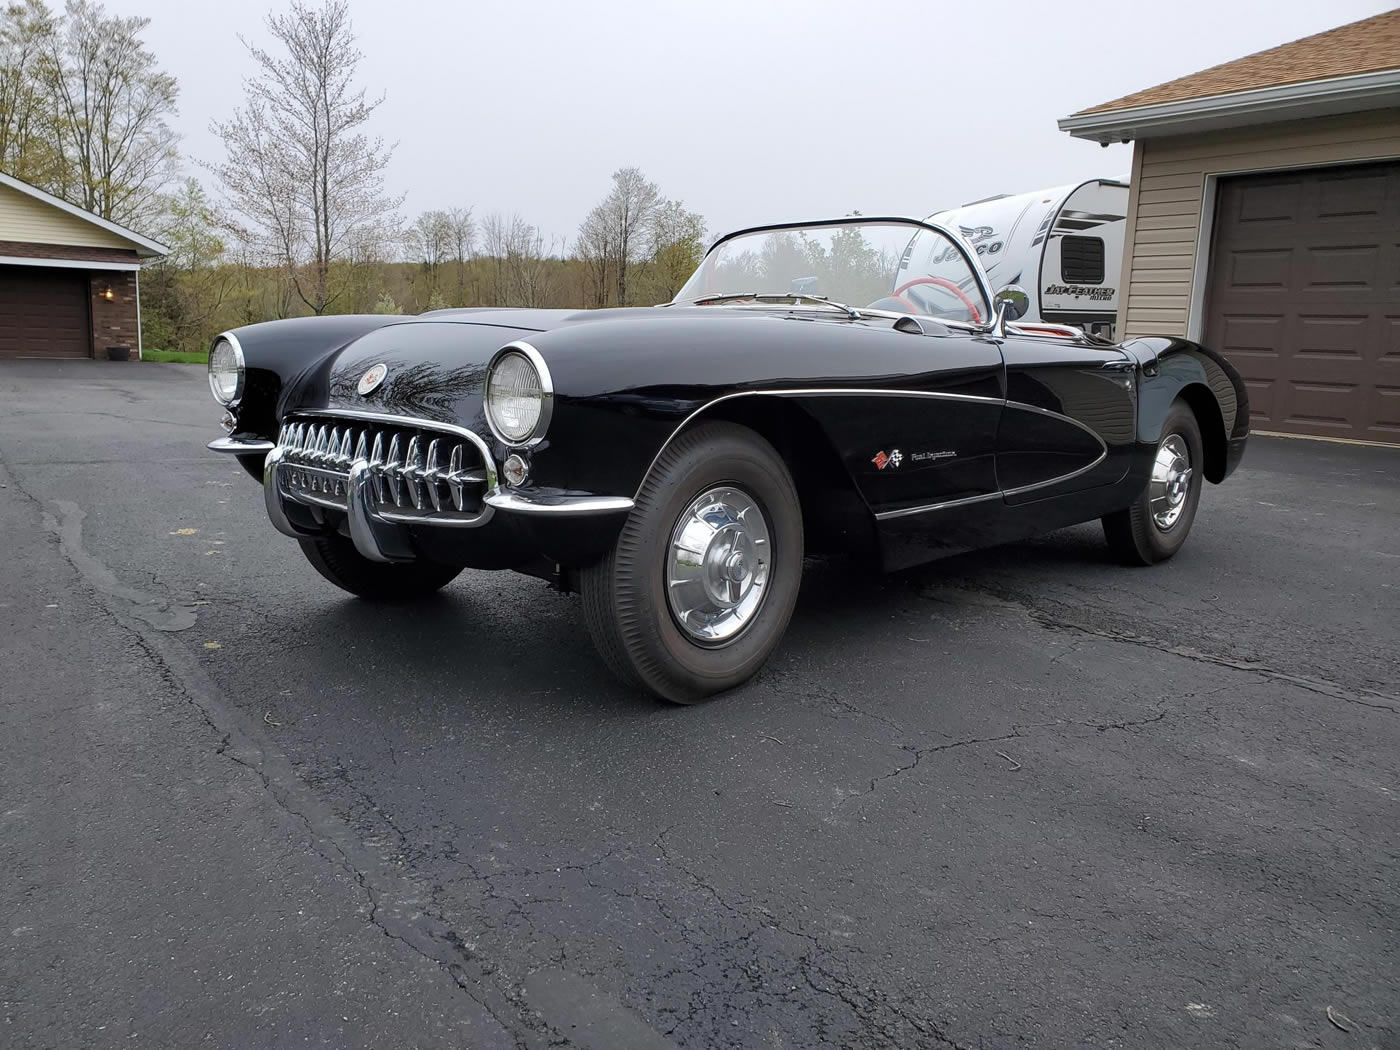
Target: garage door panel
pixel 1267 202
pixel 43 312
pixel 1349 196
pixel 1260 268
pixel 1252 342
pixel 1333 341
pixel 1304 297
pixel 1385 414
pixel 1322 408
pixel 1261 400
pixel 1353 267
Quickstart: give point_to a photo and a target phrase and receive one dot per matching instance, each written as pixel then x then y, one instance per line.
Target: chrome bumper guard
pixel 240 446
pixel 383 472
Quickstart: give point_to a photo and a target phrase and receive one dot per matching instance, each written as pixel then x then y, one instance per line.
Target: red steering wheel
pixel 941 282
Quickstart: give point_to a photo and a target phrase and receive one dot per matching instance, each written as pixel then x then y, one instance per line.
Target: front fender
pixel 280 357
pixel 1178 368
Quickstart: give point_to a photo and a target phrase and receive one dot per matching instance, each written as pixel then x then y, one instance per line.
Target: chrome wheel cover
pixel 717 565
pixel 1171 481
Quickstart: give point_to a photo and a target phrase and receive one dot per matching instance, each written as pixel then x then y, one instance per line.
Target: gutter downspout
pixel 139 348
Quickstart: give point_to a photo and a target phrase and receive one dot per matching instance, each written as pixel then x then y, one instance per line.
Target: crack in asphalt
pixel 874 1011
pixel 1052 622
pixel 1018 732
pixel 426 935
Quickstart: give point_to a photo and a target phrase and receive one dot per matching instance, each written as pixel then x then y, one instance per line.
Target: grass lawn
pixel 177 357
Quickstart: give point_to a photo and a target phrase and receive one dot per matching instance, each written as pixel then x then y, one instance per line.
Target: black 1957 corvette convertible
pixel 845 386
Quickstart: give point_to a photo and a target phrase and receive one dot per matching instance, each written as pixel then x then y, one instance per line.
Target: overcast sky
pixel 748 110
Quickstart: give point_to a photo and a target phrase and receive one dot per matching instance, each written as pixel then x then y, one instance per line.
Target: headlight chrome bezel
pixel 532 357
pixel 240 370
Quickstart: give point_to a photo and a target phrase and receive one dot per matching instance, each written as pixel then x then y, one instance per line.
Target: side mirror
pixel 1011 304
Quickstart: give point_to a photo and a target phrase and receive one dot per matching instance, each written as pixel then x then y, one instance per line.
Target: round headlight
pixel 226 370
pixel 518 396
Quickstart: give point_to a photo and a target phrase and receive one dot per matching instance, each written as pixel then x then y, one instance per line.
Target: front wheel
pixel 698 589
pixel 336 558
pixel 1157 523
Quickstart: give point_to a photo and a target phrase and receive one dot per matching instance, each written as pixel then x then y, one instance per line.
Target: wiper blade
pixel 779 297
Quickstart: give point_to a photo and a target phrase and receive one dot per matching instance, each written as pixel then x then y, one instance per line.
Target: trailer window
pixel 1081 260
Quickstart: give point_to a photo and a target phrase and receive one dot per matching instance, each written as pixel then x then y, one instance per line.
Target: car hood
pixel 435 364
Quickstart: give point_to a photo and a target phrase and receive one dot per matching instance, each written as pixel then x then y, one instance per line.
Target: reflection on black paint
pixel 426 389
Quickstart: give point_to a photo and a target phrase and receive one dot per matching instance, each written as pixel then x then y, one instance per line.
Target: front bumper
pixel 402 489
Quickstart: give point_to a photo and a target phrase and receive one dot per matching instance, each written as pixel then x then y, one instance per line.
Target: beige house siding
pixel 1168 196
pixel 22 218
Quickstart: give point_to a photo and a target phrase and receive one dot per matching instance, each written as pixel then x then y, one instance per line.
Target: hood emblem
pixel 373 376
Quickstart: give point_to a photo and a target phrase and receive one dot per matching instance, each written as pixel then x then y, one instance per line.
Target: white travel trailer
pixel 1063 245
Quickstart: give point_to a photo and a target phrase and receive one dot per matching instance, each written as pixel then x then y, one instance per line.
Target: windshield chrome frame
pixel 862 220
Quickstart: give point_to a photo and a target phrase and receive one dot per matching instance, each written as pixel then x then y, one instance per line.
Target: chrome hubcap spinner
pixel 1171 481
pixel 717 565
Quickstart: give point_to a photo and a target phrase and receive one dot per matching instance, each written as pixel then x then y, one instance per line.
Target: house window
pixel 1081 260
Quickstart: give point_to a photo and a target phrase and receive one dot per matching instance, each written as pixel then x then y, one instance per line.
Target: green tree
pixel 185 292
pixel 26 110
pixel 111 104
pixel 677 246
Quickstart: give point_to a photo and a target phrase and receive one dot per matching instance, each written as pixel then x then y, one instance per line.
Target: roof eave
pixel 145 247
pixel 1313 98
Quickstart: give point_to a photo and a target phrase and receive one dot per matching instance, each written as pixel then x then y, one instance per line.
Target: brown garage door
pixel 44 312
pixel 1304 298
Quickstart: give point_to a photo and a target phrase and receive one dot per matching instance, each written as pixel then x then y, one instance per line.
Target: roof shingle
pixel 1368 46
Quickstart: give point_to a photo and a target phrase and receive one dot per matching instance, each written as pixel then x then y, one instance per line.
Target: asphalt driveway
pixel 1021 798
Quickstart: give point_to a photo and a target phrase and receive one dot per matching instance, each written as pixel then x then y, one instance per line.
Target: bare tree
pixel 300 170
pixel 520 265
pixel 615 229
pixel 428 242
pixel 528 266
pixel 595 249
pixel 364 264
pixel 495 233
pixel 463 231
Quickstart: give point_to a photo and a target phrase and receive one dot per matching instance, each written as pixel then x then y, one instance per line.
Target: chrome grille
pixel 416 472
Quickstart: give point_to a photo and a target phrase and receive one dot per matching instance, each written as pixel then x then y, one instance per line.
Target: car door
pixel 1070 417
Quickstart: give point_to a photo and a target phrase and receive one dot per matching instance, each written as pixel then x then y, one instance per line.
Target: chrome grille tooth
pixel 413 471
pixel 361 446
pixel 376 460
pixel 454 481
pixel 391 472
pixel 432 474
pixel 346 443
pixel 318 443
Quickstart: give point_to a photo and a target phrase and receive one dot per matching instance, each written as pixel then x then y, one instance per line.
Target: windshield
pixel 901 267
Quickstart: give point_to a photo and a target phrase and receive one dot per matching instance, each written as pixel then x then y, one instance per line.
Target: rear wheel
pixel 336 558
pixel 1157 523
pixel 699 587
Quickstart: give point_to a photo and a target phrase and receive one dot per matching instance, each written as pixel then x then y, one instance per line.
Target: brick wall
pixel 26 250
pixel 114 320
